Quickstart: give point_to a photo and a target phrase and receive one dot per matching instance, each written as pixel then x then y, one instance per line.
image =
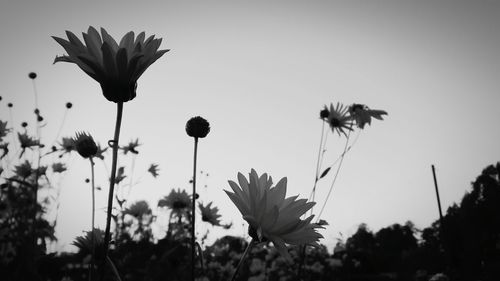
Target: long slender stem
pixel 335 177
pixel 193 211
pixel 116 138
pixel 240 263
pixel 92 239
pixel 318 166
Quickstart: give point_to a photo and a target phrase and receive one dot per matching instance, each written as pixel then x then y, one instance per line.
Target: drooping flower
pixel 131 147
pixel 338 119
pixel 85 145
pixel 116 67
pixel 209 214
pixel 176 200
pixel 3 130
pixel 272 216
pixel 197 127
pixel 153 169
pixel 362 114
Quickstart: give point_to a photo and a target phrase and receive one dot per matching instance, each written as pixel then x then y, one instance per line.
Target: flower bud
pixel 85 145
pixel 197 127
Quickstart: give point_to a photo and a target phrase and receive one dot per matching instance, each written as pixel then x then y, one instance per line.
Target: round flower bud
pixel 24 124
pixel 85 145
pixel 32 75
pixel 10 104
pixel 39 118
pixel 197 127
pixel 69 105
pixel 323 114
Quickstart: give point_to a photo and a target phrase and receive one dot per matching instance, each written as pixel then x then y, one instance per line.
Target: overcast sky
pixel 260 71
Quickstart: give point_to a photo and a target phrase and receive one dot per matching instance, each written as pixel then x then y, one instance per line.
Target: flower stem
pixel 335 177
pixel 92 239
pixel 119 113
pixel 193 211
pixel 240 263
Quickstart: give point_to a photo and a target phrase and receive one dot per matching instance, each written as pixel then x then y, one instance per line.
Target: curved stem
pixel 119 113
pixel 193 211
pixel 240 263
pixel 92 239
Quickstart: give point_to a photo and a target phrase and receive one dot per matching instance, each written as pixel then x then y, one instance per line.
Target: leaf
pixel 325 172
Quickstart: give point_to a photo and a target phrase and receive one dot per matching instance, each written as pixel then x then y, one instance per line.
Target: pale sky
pixel 259 72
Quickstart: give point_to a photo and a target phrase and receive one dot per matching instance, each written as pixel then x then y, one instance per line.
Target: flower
pixel 210 215
pixel 117 67
pixel 138 209
pixel 5 148
pixel 176 200
pixel 84 243
pixel 85 145
pixel 197 127
pixel 362 115
pixel 271 215
pixel 26 142
pixel 32 75
pixel 100 152
pixel 23 170
pixel 3 129
pixel 131 147
pixel 323 114
pixel 153 169
pixel 58 167
pixel 338 119
pixel 68 145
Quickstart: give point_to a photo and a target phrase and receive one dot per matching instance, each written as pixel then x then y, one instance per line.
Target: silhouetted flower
pixel 131 147
pixel 84 243
pixel 153 169
pixel 68 145
pixel 120 175
pixel 323 114
pixel 85 145
pixel 58 167
pixel 24 124
pixel 270 215
pixel 338 119
pixel 3 130
pixel 69 105
pixel 176 200
pixel 138 209
pixel 117 67
pixel 209 214
pixel 100 152
pixel 26 142
pixel 197 127
pixel 10 105
pixel 362 115
pixel 32 75
pixel 23 170
pixel 5 149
